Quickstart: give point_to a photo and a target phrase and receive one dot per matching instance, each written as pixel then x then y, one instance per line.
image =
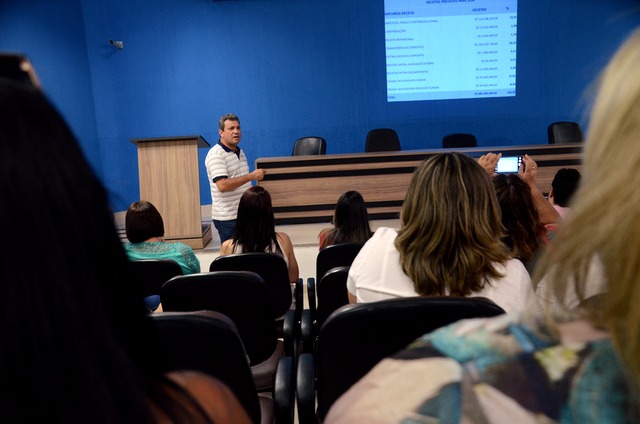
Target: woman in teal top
pixel 145 231
pixel 159 249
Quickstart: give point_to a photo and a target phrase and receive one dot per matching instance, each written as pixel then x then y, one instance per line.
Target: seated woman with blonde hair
pixel 255 230
pixel 449 242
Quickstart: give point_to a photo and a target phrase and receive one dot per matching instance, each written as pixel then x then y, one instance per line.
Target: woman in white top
pixel 255 230
pixel 449 242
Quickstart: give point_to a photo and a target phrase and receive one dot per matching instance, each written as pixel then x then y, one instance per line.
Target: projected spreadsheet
pixel 450 49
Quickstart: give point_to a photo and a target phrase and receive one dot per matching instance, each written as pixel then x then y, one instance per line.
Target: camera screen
pixel 508 164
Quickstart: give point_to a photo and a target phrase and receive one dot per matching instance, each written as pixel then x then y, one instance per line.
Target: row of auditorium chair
pixel 387 140
pixel 238 323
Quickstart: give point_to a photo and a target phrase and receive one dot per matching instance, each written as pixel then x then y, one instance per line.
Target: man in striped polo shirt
pixel 229 177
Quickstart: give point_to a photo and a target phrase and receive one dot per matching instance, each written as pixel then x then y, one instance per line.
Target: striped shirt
pixel 222 162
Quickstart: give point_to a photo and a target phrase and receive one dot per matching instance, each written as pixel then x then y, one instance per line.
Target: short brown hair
pixel 142 222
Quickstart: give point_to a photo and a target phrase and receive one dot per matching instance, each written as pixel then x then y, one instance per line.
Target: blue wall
pixel 52 35
pixel 288 68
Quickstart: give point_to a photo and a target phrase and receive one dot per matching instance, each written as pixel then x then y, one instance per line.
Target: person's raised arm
pixel 230 184
pixel 488 162
pixel 529 172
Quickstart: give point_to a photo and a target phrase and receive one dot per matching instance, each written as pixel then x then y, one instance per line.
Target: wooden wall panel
pixel 305 189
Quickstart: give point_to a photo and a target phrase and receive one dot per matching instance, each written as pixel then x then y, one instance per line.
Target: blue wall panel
pixel 52 35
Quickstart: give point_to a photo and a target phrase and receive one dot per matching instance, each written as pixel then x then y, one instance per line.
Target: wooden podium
pixel 169 178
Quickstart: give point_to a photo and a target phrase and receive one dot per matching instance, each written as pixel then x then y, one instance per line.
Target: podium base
pixel 195 243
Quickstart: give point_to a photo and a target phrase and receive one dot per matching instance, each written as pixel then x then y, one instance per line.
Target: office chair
pixel 209 342
pixel 240 295
pixel 331 294
pixel 151 274
pixel 332 256
pixel 564 132
pixel 458 140
pixel 309 146
pixel 356 337
pixel 382 140
pixel 273 270
pixel 335 255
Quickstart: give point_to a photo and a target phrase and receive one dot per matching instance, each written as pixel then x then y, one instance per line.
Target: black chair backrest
pixel 336 255
pixel 309 146
pixel 356 337
pixel 208 342
pixel 382 140
pixel 151 274
pixel 564 132
pixel 331 292
pixel 457 140
pixel 270 266
pixel 240 295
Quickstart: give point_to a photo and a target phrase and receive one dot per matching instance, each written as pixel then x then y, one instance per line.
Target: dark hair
pixel 255 228
pixel 74 342
pixel 519 215
pixel 350 220
pixel 142 222
pixel 565 183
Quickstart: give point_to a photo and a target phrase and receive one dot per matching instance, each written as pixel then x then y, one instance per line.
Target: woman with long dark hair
pixel 255 230
pixel 350 222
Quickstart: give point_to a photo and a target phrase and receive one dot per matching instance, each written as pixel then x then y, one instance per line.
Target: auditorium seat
pixel 564 132
pixel 331 293
pixel 209 342
pixel 458 140
pixel 309 146
pixel 273 269
pixel 151 274
pixel 382 140
pixel 243 297
pixel 356 337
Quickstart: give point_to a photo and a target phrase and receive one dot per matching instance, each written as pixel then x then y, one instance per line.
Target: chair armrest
pixel 311 296
pixel 305 389
pixel 289 332
pixel 283 391
pixel 307 331
pixel 298 294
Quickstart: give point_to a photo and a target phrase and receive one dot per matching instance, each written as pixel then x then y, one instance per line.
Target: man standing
pixel 229 176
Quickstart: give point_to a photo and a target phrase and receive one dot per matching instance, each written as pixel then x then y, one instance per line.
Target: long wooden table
pixel 305 189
